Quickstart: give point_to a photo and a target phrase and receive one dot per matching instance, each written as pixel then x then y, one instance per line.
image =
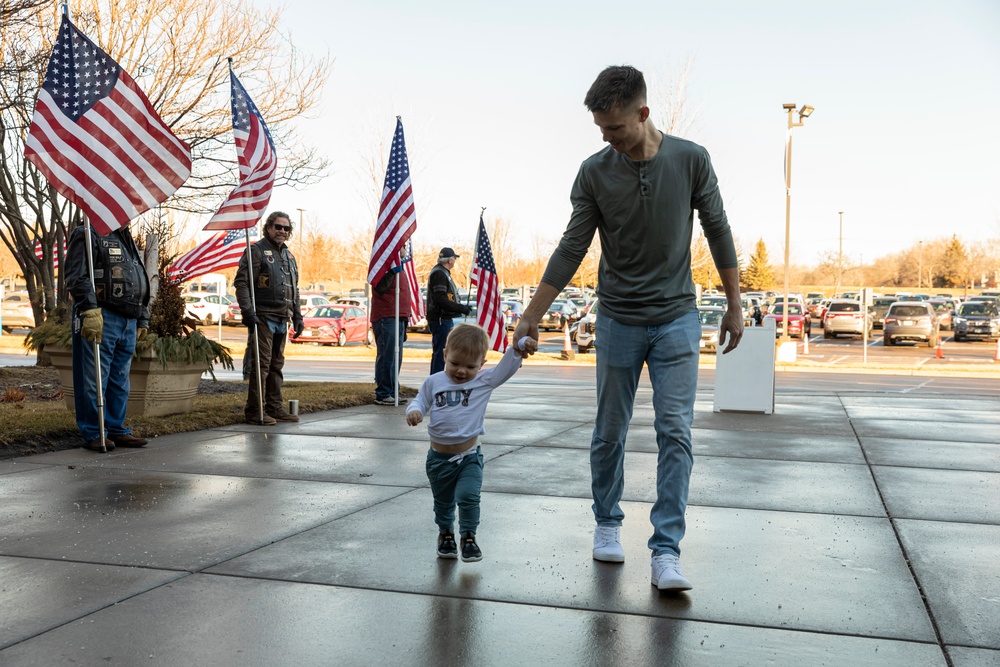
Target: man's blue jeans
pixel 440 329
pixel 385 343
pixel 117 346
pixel 671 353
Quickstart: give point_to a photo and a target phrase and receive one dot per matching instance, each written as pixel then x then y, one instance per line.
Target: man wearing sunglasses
pixel 275 301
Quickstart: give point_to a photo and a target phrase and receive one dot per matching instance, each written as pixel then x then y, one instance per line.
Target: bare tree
pixel 679 115
pixel 500 231
pixel 177 51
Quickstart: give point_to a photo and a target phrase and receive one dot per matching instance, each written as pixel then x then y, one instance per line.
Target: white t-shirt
pixel 458 411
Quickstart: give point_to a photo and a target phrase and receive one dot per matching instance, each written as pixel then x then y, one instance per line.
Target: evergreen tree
pixel 758 275
pixel 955 269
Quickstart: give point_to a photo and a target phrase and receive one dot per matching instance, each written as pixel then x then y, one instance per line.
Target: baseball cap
pixel 446 253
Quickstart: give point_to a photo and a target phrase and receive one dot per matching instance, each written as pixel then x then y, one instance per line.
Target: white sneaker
pixel 607 545
pixel 667 574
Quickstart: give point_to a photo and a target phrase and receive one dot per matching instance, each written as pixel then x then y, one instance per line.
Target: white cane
pixel 97 346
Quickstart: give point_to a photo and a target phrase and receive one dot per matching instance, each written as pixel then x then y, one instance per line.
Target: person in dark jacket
pixel 114 316
pixel 384 326
pixel 442 305
pixel 276 301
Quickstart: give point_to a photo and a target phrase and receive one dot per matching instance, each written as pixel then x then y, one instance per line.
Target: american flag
pixel 258 165
pixel 418 310
pixel 489 313
pixel 98 140
pixel 55 254
pixel 222 251
pixel 397 217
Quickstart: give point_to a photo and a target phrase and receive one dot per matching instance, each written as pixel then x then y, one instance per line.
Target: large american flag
pixel 489 313
pixel 97 139
pixel 418 310
pixel 222 251
pixel 397 217
pixel 258 165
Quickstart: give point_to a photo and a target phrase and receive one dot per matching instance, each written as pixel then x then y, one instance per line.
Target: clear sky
pixel 905 138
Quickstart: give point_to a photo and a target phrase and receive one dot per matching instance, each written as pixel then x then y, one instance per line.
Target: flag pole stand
pixel 256 334
pixel 99 387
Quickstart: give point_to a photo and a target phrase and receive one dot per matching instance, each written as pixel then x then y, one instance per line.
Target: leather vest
pixel 119 276
pixel 275 278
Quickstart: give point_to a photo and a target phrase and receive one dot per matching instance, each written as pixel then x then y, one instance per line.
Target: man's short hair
pixel 618 86
pixel 468 339
pixel 273 217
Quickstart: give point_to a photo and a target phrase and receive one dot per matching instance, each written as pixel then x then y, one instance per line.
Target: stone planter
pixel 155 390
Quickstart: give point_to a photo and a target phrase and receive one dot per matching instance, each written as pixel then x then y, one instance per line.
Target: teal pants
pixel 456 483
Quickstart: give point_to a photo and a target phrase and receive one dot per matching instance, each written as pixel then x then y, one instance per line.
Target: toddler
pixel 456 399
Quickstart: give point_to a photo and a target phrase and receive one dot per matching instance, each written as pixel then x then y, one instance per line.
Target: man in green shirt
pixel 640 194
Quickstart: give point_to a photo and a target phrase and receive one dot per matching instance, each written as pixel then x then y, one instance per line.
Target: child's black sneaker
pixel 446 545
pixel 470 550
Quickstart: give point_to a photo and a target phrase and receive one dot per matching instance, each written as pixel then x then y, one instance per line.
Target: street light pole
pixel 920 265
pixel 804 113
pixel 840 255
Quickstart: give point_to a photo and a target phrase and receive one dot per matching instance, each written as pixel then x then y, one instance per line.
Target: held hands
pixel 527 330
pixel 731 329
pixel 413 418
pixel 526 344
pixel 93 325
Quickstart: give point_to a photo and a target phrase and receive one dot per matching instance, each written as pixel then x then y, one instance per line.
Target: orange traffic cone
pixel 805 343
pixel 939 350
pixel 567 351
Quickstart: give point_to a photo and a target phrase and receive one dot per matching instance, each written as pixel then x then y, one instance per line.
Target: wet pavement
pixel 849 528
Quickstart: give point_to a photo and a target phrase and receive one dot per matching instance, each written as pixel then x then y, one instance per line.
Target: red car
pixel 798 319
pixel 335 325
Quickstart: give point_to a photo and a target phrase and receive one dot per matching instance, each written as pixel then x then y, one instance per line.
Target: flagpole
pixel 475 253
pixel 99 389
pixel 253 303
pixel 395 358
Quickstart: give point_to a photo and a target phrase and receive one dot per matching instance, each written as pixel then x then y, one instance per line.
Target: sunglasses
pixel 283 228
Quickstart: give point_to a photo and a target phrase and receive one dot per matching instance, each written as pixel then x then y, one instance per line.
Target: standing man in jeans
pixel 442 306
pixel 114 316
pixel 640 194
pixel 275 278
pixel 385 326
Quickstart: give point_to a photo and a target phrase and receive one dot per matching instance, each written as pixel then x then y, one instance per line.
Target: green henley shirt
pixel 644 212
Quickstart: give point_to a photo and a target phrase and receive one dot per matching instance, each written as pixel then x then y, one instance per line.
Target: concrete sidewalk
pixel 850 528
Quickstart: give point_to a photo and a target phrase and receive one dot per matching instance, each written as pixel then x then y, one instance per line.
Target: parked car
pixel 512 311
pixel 310 300
pixel 207 308
pixel 335 325
pixel 910 320
pixel 16 312
pixel 798 319
pixel 942 310
pixel 559 314
pixel 880 306
pixel 976 319
pixel 846 316
pixel 234 315
pixel 586 330
pixel 711 317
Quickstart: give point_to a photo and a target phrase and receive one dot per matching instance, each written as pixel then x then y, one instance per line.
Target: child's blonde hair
pixel 468 339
